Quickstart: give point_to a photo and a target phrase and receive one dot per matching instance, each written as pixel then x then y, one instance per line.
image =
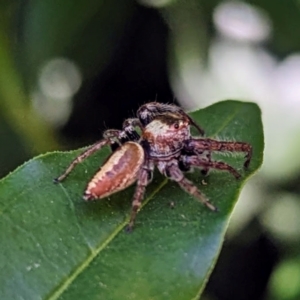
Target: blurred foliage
pixel 130 52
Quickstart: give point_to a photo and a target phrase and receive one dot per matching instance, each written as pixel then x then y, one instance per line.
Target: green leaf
pixel 56 246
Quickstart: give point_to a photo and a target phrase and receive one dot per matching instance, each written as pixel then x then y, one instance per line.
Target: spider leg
pixel 147 112
pixel 129 126
pixel 144 179
pixel 185 166
pixel 197 161
pixel 116 137
pixel 198 146
pixel 205 168
pixel 110 137
pixel 127 134
pixel 172 171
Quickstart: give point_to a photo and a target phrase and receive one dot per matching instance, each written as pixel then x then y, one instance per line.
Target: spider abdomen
pixel 120 171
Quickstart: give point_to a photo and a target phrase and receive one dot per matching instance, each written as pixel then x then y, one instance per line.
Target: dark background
pixel 193 53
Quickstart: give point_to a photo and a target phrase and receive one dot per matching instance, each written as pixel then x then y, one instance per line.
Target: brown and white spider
pixel 164 141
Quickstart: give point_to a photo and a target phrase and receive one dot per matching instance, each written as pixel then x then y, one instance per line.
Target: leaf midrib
pixel 65 284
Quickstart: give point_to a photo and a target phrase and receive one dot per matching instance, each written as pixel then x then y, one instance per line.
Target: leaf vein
pixel 227 121
pixel 34 241
pixel 69 280
pixel 76 219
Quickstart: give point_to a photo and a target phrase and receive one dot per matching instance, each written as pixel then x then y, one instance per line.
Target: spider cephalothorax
pixel 164 141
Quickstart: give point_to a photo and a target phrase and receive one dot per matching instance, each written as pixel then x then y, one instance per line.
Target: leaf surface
pixel 56 246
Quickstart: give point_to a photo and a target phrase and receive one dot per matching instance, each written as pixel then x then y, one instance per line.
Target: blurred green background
pixel 70 69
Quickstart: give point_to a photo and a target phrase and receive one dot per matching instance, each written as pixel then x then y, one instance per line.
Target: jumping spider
pixel 164 141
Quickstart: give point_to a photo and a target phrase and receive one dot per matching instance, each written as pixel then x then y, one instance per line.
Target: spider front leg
pixel 198 146
pixel 144 179
pixel 200 162
pixel 110 137
pixel 129 126
pixel 127 134
pixel 172 171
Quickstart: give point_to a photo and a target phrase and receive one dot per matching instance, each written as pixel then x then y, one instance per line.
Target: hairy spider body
pixel 164 136
pixel 165 142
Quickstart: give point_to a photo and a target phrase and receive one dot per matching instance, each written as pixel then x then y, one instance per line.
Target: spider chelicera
pixel 164 141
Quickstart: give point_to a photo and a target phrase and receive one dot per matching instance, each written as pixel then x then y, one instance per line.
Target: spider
pixel 164 140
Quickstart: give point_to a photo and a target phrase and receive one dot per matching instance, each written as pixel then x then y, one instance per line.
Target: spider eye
pixel 176 125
